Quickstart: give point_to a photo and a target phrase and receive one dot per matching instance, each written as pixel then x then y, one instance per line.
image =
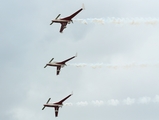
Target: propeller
pixel 46 103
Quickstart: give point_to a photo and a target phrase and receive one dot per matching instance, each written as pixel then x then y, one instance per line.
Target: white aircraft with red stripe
pixel 66 20
pixel 56 105
pixel 59 64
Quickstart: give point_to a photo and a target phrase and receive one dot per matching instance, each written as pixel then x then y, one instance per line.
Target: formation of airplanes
pixel 56 105
pixel 66 20
pixel 58 65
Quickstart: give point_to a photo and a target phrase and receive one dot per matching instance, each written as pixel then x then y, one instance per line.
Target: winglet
pixel 83 7
pixel 76 55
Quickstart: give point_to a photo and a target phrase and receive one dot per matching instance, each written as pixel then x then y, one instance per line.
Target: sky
pixel 114 77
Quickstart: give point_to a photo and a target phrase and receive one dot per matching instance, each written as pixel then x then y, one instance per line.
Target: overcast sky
pixel 115 75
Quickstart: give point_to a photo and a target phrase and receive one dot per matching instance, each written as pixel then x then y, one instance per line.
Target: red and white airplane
pixel 55 105
pixel 58 64
pixel 66 20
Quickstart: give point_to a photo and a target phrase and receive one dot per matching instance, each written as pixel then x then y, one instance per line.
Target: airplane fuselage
pixel 61 21
pixel 55 64
pixel 53 105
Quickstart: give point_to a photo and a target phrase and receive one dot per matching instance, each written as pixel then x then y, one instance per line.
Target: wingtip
pixel 76 55
pixel 45 66
pixel 83 7
pixel 43 108
pixel 51 23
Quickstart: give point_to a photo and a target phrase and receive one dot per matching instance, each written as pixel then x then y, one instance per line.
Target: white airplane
pixel 66 20
pixel 58 64
pixel 55 105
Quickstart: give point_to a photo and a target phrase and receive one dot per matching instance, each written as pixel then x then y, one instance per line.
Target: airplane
pixel 58 64
pixel 55 105
pixel 66 20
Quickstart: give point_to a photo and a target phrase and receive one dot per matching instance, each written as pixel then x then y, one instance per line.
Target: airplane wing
pixel 67 60
pixel 58 70
pixel 73 15
pixel 61 101
pixel 56 111
pixel 63 26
